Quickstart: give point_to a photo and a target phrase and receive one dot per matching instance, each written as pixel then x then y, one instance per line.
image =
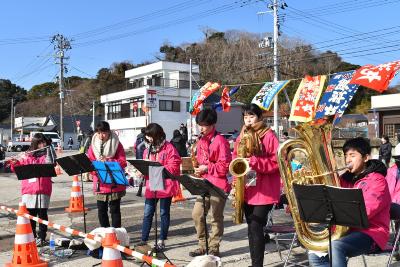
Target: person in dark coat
pixel 179 142
pixel 140 145
pixel 385 150
pixel 184 132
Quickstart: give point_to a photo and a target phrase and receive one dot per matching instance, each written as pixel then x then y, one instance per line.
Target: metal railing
pixel 162 82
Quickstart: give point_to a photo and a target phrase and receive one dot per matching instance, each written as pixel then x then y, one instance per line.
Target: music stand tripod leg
pixel 205 220
pixel 155 249
pixel 83 204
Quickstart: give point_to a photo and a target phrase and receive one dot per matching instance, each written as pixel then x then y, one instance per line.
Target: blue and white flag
pixel 337 96
pixel 266 95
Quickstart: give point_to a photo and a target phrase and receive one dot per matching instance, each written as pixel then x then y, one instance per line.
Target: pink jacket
pixel 31 186
pixel 393 183
pixel 377 203
pixel 168 156
pixel 108 188
pixel 267 188
pixel 213 150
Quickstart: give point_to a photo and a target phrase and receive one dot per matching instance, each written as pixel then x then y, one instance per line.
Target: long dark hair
pixel 156 132
pixel 36 140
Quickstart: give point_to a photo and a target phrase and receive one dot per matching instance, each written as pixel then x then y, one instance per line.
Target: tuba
pixel 239 167
pixel 314 145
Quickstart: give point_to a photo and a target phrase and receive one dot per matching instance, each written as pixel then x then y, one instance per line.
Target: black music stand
pixel 143 166
pixel 29 171
pixel 204 188
pixel 74 165
pixel 331 205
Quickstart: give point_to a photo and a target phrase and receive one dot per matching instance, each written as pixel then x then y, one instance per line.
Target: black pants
pixel 115 211
pixel 256 218
pixel 42 214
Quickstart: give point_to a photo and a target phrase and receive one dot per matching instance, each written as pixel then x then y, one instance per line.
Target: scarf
pixel 256 132
pixel 106 149
pixel 154 148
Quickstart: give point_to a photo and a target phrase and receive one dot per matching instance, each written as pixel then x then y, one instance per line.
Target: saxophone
pixel 193 154
pixel 239 167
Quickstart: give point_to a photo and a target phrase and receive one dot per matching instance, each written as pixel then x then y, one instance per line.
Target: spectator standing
pixel 385 151
pixel 179 143
pixel 70 143
pixel 140 145
pixel 184 132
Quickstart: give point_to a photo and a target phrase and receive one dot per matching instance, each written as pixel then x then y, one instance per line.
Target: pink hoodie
pixel 169 157
pixel 31 186
pixel 267 188
pixel 393 183
pixel 108 188
pixel 377 203
pixel 213 150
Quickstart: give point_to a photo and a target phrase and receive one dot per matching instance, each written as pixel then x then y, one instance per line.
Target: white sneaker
pixel 160 245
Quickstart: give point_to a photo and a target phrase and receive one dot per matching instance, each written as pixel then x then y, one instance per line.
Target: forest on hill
pixel 231 57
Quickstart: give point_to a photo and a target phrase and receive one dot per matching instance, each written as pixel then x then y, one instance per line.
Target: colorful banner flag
pixel 378 77
pixel 337 96
pixel 198 98
pixel 225 103
pixel 266 95
pixel 306 98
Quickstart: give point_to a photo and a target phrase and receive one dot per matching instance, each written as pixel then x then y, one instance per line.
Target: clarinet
pixel 142 182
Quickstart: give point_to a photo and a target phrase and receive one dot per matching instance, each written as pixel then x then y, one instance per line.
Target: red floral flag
pixel 376 77
pixel 226 100
pixel 306 98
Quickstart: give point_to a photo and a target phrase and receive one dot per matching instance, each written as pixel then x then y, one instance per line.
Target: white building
pixel 157 92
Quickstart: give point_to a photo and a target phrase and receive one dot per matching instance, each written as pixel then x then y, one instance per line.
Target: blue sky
pixel 371 27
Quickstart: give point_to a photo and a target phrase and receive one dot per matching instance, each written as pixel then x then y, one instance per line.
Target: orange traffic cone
pixel 76 199
pixel 179 196
pixel 111 257
pixel 25 250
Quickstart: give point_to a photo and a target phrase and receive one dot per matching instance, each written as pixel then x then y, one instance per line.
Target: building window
pixel 391 130
pixel 187 106
pixel 170 105
pixel 126 109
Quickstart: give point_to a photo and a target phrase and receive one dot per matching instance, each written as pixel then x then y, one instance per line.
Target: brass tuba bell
pixel 314 148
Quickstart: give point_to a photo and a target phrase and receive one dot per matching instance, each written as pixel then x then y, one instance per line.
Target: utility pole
pixel 12 119
pixel 61 44
pixel 276 69
pixel 93 115
pixel 190 98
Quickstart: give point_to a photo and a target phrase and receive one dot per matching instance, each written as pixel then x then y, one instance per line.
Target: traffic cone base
pixel 76 200
pixel 76 205
pixel 25 251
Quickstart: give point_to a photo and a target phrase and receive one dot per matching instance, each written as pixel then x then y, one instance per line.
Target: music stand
pixel 144 167
pixel 203 188
pixel 331 205
pixel 110 172
pixel 74 165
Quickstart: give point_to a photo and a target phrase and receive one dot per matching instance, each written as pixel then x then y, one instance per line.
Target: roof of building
pixel 69 123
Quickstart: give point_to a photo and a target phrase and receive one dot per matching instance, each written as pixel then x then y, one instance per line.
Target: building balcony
pixel 161 82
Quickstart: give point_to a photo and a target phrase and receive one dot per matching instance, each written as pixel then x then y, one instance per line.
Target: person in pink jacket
pixel 105 146
pixel 392 178
pixel 262 192
pixel 369 176
pixel 36 192
pixel 213 156
pixel 162 151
